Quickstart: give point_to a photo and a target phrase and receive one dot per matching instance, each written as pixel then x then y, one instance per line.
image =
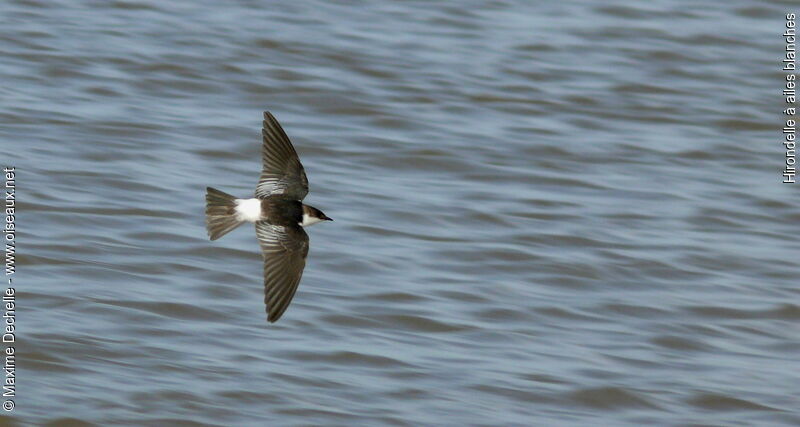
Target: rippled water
pixel 561 214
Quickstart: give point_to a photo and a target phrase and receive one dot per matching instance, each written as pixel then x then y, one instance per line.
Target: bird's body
pixel 277 209
pixel 278 213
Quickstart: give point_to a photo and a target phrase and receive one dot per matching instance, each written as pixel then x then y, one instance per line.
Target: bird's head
pixel 312 215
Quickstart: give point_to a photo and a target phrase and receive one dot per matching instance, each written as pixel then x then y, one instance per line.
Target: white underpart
pixel 309 220
pixel 248 209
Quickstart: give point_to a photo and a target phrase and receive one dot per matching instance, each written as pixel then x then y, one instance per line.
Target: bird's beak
pixel 328 219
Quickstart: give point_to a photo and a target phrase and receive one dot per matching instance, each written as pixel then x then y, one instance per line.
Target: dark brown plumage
pixel 278 213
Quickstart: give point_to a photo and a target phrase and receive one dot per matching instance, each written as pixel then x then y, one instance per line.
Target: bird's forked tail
pixel 221 215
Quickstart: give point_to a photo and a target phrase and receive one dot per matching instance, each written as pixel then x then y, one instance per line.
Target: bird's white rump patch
pixel 248 209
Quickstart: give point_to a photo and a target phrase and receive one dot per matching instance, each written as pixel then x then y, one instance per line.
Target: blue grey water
pixel 546 213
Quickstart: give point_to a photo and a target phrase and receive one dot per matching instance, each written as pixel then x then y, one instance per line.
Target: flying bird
pixel 278 213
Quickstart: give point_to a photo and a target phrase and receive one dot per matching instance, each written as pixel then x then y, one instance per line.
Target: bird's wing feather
pixel 285 249
pixel 282 172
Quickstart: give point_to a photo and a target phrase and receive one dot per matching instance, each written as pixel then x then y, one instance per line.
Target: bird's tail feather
pixel 221 215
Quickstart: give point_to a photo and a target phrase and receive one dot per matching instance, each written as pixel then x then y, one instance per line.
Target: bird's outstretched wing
pixel 285 249
pixel 282 172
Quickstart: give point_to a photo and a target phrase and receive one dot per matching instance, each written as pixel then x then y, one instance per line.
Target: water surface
pixel 561 214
